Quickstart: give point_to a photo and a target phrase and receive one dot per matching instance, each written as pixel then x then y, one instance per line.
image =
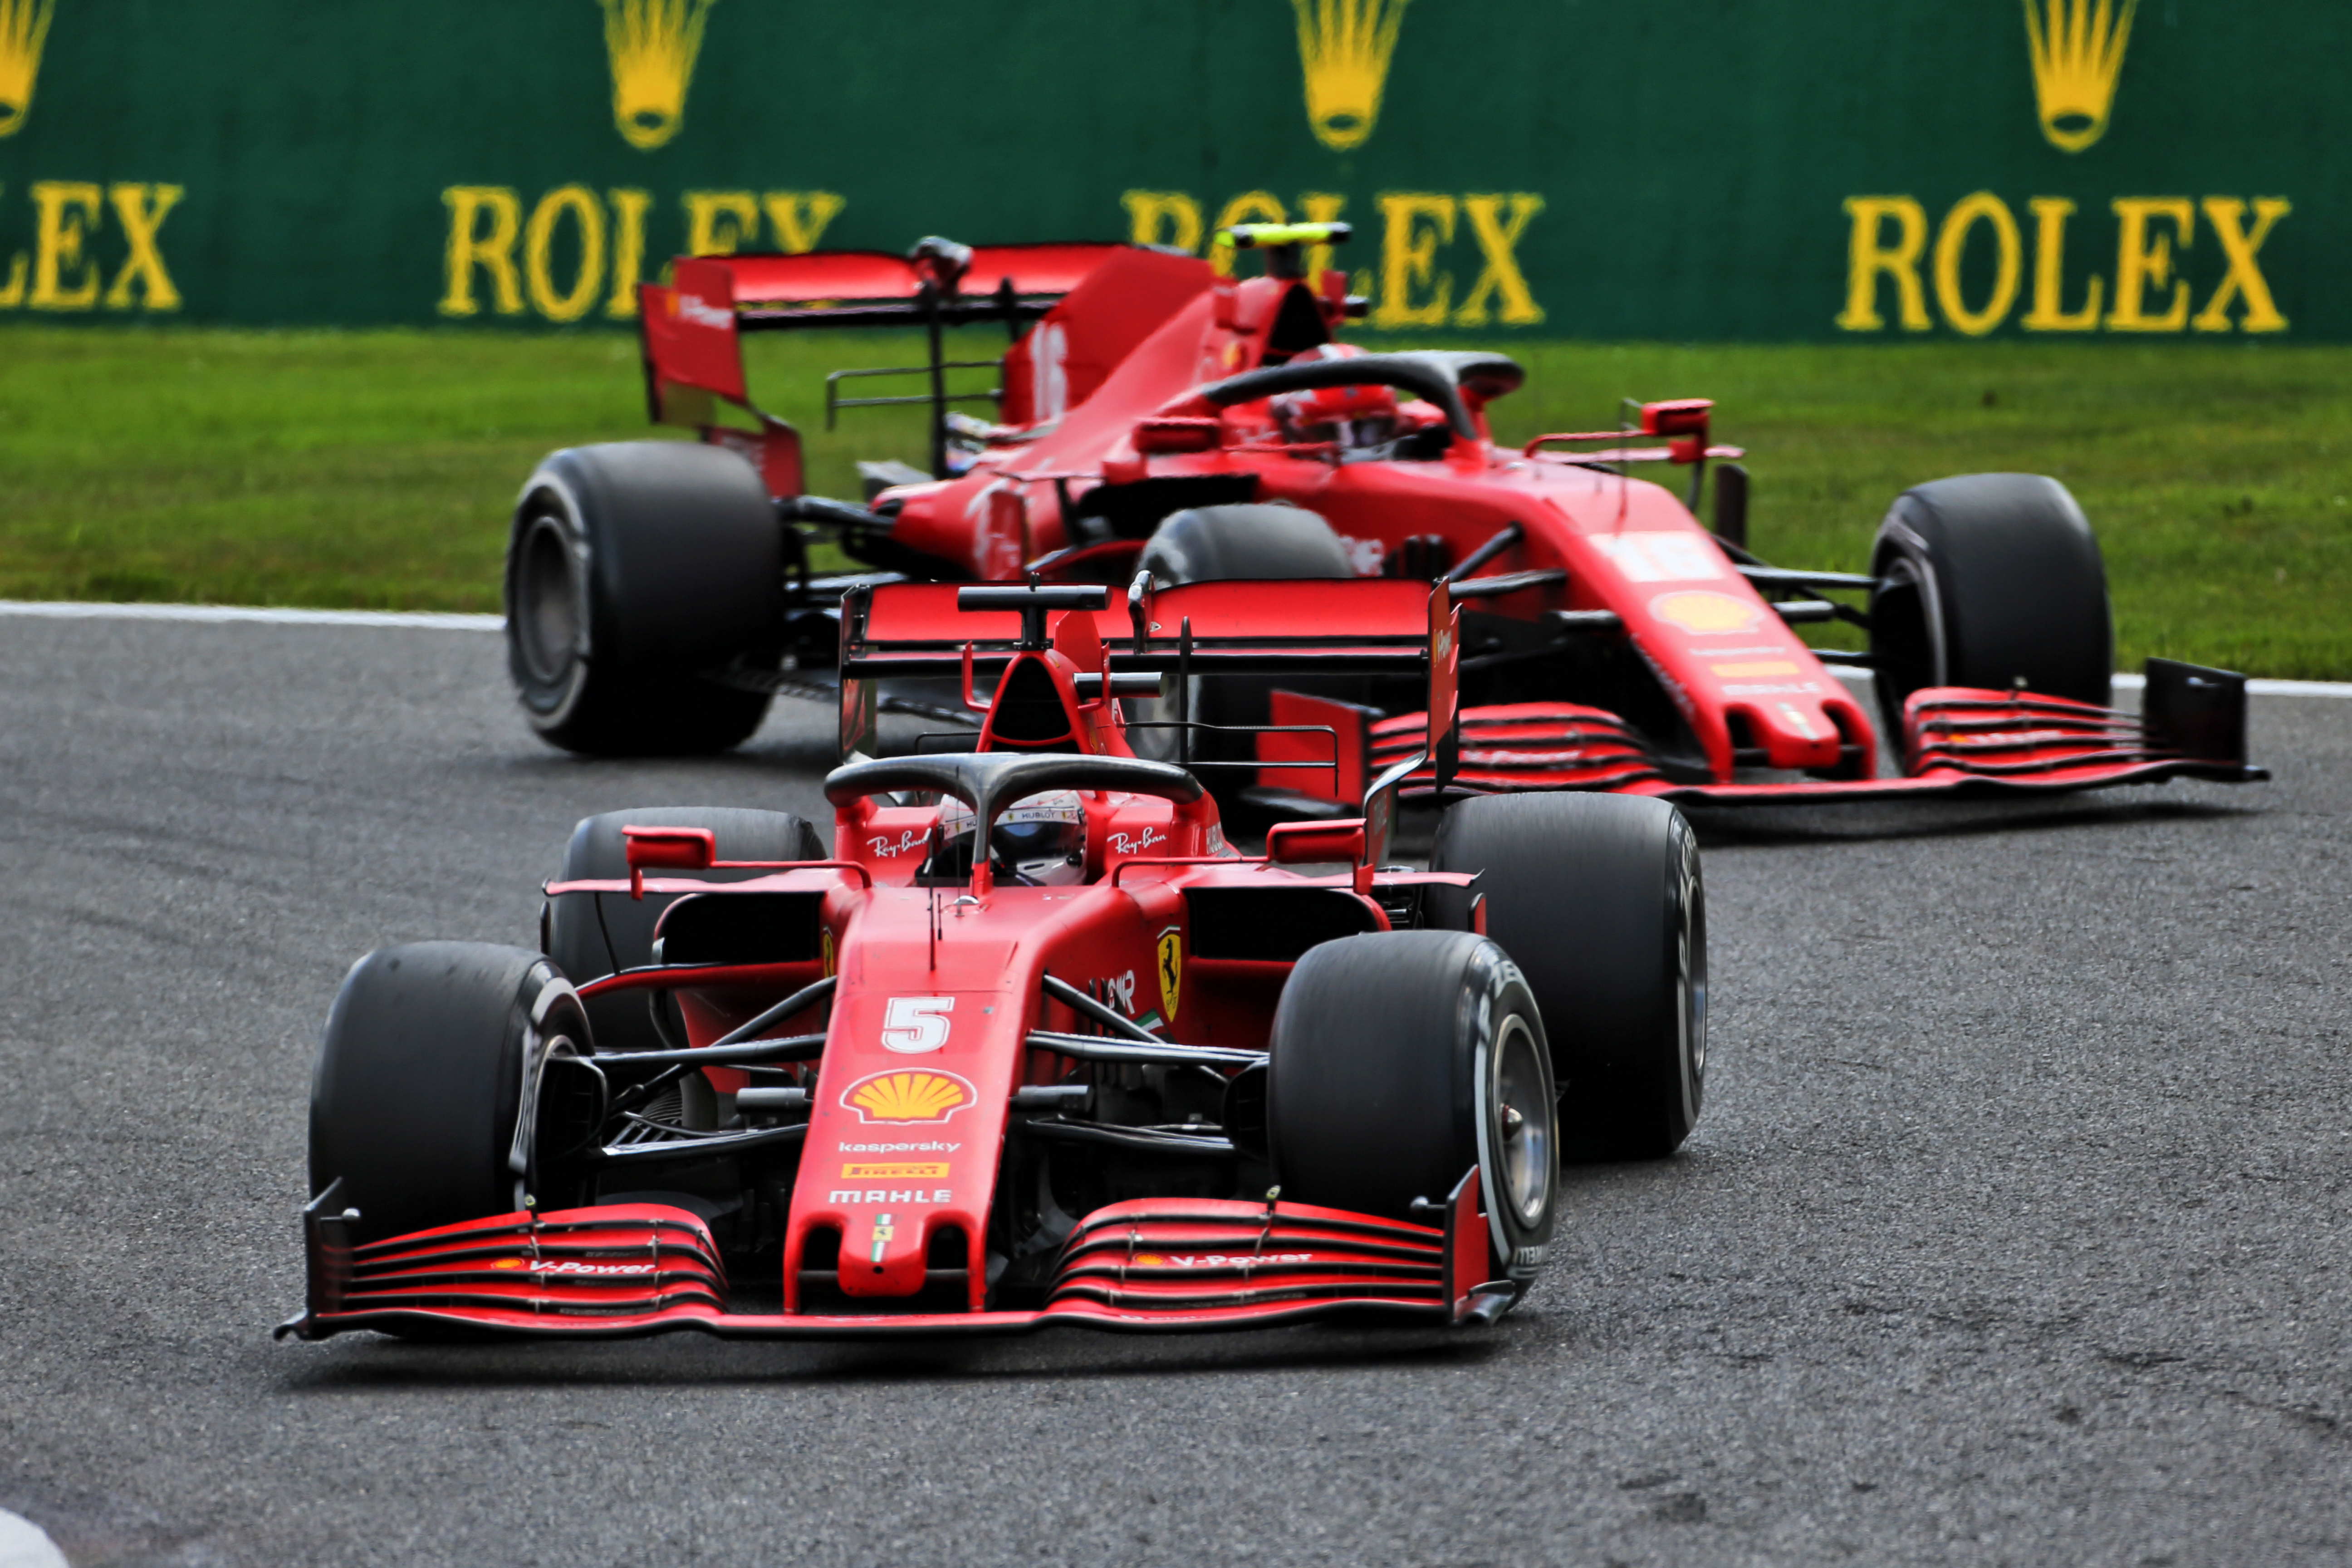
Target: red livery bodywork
pixel 1617 644
pixel 951 1025
pixel 1146 1266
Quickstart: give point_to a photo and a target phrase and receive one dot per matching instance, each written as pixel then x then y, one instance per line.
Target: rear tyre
pixel 1988 580
pixel 434 1053
pixel 633 570
pixel 1598 899
pixel 590 935
pixel 1219 544
pixel 1401 1060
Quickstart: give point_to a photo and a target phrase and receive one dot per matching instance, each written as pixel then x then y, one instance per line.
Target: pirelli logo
pixel 896 1171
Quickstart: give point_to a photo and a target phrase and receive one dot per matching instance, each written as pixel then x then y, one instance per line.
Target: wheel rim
pixel 1526 1153
pixel 547 601
pixel 1690 977
pixel 1690 1017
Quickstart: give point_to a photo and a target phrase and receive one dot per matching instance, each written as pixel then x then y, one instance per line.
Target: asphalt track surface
pixel 2014 1230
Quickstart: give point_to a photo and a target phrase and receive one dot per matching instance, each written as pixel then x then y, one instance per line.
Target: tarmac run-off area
pixel 2015 1229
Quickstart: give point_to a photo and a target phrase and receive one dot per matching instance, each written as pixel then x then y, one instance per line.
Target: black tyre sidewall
pixel 1988 580
pixel 420 1080
pixel 587 948
pixel 1600 901
pixel 676 563
pixel 1376 1084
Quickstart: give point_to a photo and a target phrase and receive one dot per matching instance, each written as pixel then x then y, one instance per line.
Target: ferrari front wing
pixel 1956 741
pixel 1146 1265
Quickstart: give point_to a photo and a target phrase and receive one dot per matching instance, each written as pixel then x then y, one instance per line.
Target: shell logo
pixel 1704 614
pixel 904 1096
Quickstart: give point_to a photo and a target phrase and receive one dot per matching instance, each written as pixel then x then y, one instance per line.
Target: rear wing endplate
pixel 690 328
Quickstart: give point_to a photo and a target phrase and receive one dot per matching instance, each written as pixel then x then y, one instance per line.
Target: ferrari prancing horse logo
pixel 1171 970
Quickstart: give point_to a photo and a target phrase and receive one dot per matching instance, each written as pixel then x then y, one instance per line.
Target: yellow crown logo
pixel 1344 46
pixel 909 1097
pixel 24 24
pixel 652 44
pixel 2078 51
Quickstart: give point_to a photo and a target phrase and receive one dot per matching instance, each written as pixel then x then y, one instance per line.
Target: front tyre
pixel 450 1083
pixel 1599 900
pixel 1990 581
pixel 590 935
pixel 1399 1062
pixel 633 570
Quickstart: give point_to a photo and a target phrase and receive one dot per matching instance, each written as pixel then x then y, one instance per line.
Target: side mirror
pixel 1168 434
pixel 1316 843
pixel 1683 416
pixel 1684 422
pixel 666 849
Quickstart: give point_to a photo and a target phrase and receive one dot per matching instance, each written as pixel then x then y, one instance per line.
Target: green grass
pixel 375 469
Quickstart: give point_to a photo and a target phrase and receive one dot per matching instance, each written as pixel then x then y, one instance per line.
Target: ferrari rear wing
pixel 1351 625
pixel 1159 638
pixel 690 328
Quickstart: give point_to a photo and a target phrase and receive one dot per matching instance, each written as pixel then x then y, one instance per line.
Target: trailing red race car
pixel 1031 1043
pixel 1158 417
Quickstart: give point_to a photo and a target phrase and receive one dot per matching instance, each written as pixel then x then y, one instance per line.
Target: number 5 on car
pixel 913 1024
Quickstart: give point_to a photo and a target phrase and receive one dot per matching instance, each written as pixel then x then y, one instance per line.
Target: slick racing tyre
pixel 1988 579
pixel 590 935
pixel 1399 1062
pixel 434 1053
pixel 1218 543
pixel 633 570
pixel 1598 899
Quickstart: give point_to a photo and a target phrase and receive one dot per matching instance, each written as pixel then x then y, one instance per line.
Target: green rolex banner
pixel 1719 168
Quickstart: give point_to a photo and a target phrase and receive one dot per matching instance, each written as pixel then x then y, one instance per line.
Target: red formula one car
pixel 1158 417
pixel 1031 1044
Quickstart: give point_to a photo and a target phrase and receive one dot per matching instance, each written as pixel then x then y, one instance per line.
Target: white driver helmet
pixel 1039 841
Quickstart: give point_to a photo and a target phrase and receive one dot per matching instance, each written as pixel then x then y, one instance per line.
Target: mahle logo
pixel 1344 47
pixel 2078 52
pixel 24 26
pixel 652 44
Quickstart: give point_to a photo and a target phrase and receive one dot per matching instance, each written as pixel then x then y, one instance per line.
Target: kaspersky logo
pixel 2078 52
pixel 1344 46
pixel 23 28
pixel 653 45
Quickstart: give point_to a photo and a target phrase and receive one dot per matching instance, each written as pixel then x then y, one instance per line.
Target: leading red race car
pixel 1158 417
pixel 1030 1043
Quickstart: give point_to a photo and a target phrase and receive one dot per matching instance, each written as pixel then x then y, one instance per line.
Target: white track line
pixel 430 620
pixel 24 1545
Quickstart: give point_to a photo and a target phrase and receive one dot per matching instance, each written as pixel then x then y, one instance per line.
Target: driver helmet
pixel 1039 841
pixel 1349 417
